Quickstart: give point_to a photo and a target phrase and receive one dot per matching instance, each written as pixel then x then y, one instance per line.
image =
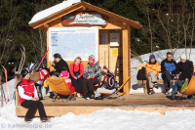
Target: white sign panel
pixel 114 39
pixel 71 42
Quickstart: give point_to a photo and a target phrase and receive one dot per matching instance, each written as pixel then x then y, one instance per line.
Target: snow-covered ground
pixel 106 119
pixel 160 55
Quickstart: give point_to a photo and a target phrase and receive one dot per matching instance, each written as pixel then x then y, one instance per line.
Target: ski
pixel 7 89
pixel 24 56
pixel 34 65
pixel 21 61
pixel 42 60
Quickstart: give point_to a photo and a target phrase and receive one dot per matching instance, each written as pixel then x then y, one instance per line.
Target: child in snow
pixel 65 74
pixel 28 98
pixel 108 84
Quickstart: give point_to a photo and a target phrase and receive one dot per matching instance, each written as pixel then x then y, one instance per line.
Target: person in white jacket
pixel 28 98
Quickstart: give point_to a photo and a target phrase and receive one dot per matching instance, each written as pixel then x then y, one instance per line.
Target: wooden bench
pixel 159 81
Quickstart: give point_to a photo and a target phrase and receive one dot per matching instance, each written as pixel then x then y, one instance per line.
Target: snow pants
pixel 167 77
pixel 32 107
pixel 151 77
pixel 88 85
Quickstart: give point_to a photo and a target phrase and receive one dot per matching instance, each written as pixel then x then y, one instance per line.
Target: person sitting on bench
pixel 59 65
pixel 185 71
pixel 28 98
pixel 168 69
pixel 92 76
pixel 76 71
pixel 108 84
pixel 152 70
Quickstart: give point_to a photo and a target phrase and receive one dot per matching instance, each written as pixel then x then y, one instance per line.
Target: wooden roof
pixel 85 6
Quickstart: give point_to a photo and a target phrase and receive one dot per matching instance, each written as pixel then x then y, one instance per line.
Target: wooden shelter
pixel 117 57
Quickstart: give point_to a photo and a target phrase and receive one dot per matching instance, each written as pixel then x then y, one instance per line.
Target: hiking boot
pixel 190 97
pixel 99 98
pixel 84 95
pixel 150 91
pixel 167 92
pixel 45 119
pixel 173 95
pixel 51 95
pixel 90 94
pixel 156 85
pixel 27 120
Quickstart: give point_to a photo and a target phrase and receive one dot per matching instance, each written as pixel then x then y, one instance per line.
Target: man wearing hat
pixel 152 70
pixel 28 98
pixel 185 71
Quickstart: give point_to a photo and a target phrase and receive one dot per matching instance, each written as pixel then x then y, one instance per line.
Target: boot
pixel 90 94
pixel 155 85
pixel 167 92
pixel 173 95
pixel 150 91
pixel 99 98
pixel 190 97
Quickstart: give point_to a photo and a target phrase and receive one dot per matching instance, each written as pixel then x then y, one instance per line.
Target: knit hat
pixel 183 56
pixel 152 57
pixel 24 73
pixel 91 57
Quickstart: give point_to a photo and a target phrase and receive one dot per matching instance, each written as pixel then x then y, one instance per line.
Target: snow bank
pixel 106 119
pixel 52 10
pixel 160 55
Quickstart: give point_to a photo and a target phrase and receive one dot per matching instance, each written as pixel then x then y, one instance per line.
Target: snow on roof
pixel 52 10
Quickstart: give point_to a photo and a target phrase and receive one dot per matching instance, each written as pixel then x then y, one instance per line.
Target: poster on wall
pixel 114 39
pixel 71 42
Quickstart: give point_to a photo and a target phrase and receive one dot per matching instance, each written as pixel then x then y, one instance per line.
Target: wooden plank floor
pixel 131 100
pixel 155 102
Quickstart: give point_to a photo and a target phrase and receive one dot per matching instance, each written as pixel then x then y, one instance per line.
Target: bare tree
pixel 8 45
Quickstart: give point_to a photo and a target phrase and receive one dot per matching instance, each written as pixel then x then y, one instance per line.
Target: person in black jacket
pixel 108 84
pixel 185 71
pixel 59 65
pixel 168 69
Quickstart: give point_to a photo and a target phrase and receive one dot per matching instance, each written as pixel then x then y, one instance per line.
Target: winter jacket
pixel 109 83
pixel 156 68
pixel 61 65
pixel 76 68
pixel 26 90
pixel 169 66
pixel 93 70
pixel 186 69
pixel 65 74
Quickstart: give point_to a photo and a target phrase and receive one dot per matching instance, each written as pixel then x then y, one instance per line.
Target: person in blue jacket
pixel 169 70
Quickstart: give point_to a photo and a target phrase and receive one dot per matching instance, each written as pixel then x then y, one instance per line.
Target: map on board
pixel 71 42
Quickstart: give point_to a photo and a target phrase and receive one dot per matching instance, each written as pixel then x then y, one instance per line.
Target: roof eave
pixel 82 4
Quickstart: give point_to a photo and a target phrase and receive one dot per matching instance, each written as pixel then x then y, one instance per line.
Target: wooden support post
pixel 129 51
pixel 126 43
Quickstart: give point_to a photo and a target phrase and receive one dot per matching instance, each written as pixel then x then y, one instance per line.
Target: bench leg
pixel 146 89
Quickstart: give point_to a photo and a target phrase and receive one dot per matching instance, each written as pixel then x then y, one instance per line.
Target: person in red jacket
pixel 76 71
pixel 28 98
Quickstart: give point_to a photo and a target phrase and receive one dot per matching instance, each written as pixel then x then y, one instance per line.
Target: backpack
pixel 141 75
pixel 184 86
